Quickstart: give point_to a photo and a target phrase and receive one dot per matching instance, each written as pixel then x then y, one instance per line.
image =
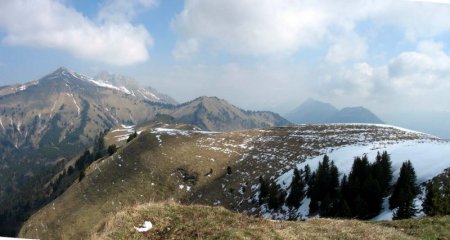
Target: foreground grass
pixel 423 228
pixel 173 221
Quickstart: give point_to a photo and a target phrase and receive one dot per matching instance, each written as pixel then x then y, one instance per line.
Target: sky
pixel 392 56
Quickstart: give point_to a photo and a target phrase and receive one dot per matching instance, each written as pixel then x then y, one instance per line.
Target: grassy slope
pixel 173 221
pixel 121 181
pixel 425 228
pixel 146 171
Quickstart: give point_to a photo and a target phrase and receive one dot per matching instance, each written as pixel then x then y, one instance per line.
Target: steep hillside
pixel 214 114
pixel 213 168
pixel 45 123
pixel 313 111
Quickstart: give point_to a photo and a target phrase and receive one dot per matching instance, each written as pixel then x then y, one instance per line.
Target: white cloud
pixel 267 27
pixel 251 26
pixel 51 24
pixel 347 47
pixel 123 10
pixel 185 49
pixel 422 71
pixel 433 1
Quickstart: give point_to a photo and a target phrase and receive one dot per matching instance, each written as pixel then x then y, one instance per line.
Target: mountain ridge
pixel 207 168
pixel 316 112
pixel 46 123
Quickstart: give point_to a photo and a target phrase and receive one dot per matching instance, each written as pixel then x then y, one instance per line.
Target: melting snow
pixel 106 84
pixel 128 130
pixel 429 158
pixel 144 227
pixel 145 93
pixel 76 105
pixel 1 124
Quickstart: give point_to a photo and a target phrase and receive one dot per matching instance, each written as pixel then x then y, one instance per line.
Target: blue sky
pixel 258 54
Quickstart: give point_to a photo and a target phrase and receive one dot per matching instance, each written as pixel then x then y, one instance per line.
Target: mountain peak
pixel 314 111
pixel 357 114
pixel 61 70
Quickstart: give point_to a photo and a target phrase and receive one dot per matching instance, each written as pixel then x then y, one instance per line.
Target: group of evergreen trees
pixel 437 199
pixel 358 195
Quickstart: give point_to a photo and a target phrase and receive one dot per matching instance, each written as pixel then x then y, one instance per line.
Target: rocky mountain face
pixel 65 110
pixel 316 112
pixel 133 88
pixel 211 113
pixel 67 107
pixel 45 123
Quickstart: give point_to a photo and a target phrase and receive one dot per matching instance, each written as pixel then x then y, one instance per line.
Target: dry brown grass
pixel 172 221
pixel 147 172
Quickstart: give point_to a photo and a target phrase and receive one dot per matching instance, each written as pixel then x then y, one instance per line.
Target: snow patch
pixel 148 95
pixel 429 158
pixel 106 84
pixel 128 130
pixel 76 104
pixel 144 227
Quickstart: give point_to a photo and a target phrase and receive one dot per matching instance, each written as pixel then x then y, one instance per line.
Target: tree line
pixel 359 195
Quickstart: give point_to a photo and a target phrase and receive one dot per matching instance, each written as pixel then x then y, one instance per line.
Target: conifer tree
pixel 343 210
pixel 428 205
pixel 324 187
pixel 382 172
pixel 307 173
pixel 437 199
pixel 263 190
pixel 132 136
pixel 404 192
pixel 276 197
pixel 297 190
pixel 112 149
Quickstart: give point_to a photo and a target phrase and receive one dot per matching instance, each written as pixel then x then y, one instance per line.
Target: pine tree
pixel 276 197
pixel 297 190
pixel 324 187
pixel 82 175
pixel 343 210
pixel 405 190
pixel 405 210
pixel 437 199
pixel 382 172
pixel 307 173
pixel 132 136
pixel 112 149
pixel 428 204
pixel 263 190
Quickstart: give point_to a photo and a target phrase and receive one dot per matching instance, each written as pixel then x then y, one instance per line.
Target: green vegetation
pixel 405 190
pixel 158 166
pixel 173 221
pixel 422 228
pixel 437 199
pixel 132 136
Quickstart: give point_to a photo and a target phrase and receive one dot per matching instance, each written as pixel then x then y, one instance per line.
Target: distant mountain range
pixel 314 112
